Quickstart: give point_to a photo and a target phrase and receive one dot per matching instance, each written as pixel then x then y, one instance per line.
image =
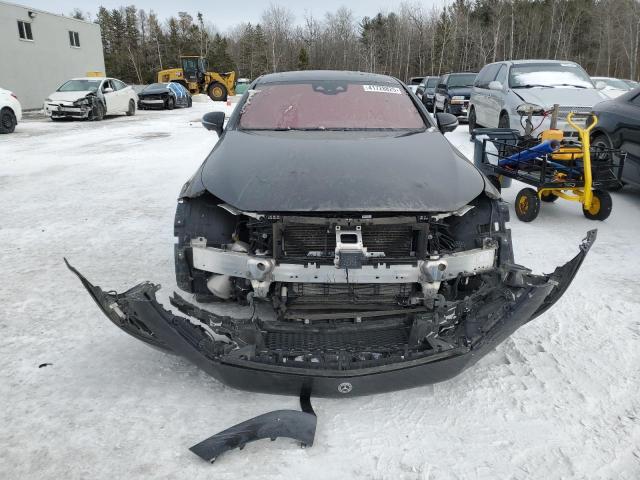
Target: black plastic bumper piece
pixel 298 425
pixel 215 343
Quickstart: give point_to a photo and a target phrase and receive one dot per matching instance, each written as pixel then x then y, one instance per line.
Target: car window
pixel 502 75
pixel 119 85
pixel 106 84
pixel 461 80
pixel 79 86
pixel 529 75
pixel 613 83
pixel 329 105
pixel 432 82
pixel 486 75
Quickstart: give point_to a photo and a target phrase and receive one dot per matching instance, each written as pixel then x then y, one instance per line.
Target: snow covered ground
pixel 559 399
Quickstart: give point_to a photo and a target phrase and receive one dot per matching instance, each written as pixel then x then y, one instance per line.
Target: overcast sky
pixel 224 14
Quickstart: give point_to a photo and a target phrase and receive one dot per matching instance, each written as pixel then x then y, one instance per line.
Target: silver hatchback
pixel 502 87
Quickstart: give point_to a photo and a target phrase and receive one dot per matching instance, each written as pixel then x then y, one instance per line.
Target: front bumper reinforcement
pixel 222 346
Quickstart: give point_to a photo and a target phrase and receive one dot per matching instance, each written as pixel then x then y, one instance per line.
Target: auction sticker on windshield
pixel 381 88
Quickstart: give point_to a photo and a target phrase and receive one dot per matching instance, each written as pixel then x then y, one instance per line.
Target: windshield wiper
pixel 532 85
pixel 568 85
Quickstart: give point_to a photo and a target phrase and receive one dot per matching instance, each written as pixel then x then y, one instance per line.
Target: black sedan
pixel 369 253
pixel 453 92
pixel 619 127
pixel 164 96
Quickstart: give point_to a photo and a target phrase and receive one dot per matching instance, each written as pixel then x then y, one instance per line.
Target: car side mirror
pixel 214 121
pixel 446 122
pixel 495 85
pixel 107 90
pixel 600 85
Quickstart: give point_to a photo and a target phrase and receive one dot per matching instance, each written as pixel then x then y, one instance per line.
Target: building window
pixel 24 30
pixel 74 39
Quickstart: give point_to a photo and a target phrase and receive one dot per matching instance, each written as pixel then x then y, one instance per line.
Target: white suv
pixel 502 87
pixel 10 111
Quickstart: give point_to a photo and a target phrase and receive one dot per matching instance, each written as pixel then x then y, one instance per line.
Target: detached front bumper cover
pixel 222 346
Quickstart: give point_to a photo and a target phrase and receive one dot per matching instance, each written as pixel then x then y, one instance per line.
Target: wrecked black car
pixel 370 253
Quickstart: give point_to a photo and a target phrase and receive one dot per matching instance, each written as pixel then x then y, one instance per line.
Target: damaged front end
pixel 358 304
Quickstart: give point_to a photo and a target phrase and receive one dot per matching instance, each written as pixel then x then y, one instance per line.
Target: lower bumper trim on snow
pixel 233 350
pixel 298 425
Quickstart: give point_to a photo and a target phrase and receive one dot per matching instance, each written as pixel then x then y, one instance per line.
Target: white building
pixel 40 50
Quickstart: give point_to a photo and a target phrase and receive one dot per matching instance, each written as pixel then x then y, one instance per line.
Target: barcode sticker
pixel 381 89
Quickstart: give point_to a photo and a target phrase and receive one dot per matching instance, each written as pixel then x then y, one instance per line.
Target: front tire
pixel 600 206
pixel 97 112
pixel 473 124
pixel 171 103
pixel 527 205
pixel 8 121
pixel 504 121
pixel 189 102
pixel 131 111
pixel 217 92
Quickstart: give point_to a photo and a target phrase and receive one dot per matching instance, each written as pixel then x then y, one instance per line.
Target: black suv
pixel 453 92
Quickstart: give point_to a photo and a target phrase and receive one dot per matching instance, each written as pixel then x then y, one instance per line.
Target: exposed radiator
pixel 395 241
pixel 335 294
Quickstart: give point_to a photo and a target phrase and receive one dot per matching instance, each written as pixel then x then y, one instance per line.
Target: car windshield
pixel 432 82
pixel 613 83
pixel 549 75
pixel 329 105
pixel 80 86
pixel 461 79
pixel 155 86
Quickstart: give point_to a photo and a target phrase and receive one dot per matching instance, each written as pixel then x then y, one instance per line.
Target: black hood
pixel 339 172
pixel 462 91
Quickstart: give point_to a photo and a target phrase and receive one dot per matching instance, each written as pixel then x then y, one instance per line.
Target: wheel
pixel 8 121
pixel 473 124
pixel 217 92
pixel 527 204
pixel 131 111
pixel 603 142
pixel 495 181
pixel 548 197
pixel 97 112
pixel 171 103
pixel 504 122
pixel 189 102
pixel 601 206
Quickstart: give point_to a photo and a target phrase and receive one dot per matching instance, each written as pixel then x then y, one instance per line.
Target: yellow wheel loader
pixel 194 77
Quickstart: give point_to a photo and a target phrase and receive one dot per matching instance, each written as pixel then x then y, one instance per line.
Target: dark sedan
pixel 372 255
pixel 164 96
pixel 619 127
pixel 427 90
pixel 453 92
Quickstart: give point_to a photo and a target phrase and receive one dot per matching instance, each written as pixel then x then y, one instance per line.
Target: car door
pixel 496 97
pixel 441 91
pixel 110 97
pixel 482 94
pixel 628 130
pixel 478 96
pixel 125 93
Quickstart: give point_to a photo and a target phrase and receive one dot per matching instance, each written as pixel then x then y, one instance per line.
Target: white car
pixel 503 90
pixel 10 111
pixel 611 87
pixel 91 98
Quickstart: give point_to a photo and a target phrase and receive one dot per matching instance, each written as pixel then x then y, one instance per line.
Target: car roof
pixel 533 61
pixel 320 75
pixel 91 78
